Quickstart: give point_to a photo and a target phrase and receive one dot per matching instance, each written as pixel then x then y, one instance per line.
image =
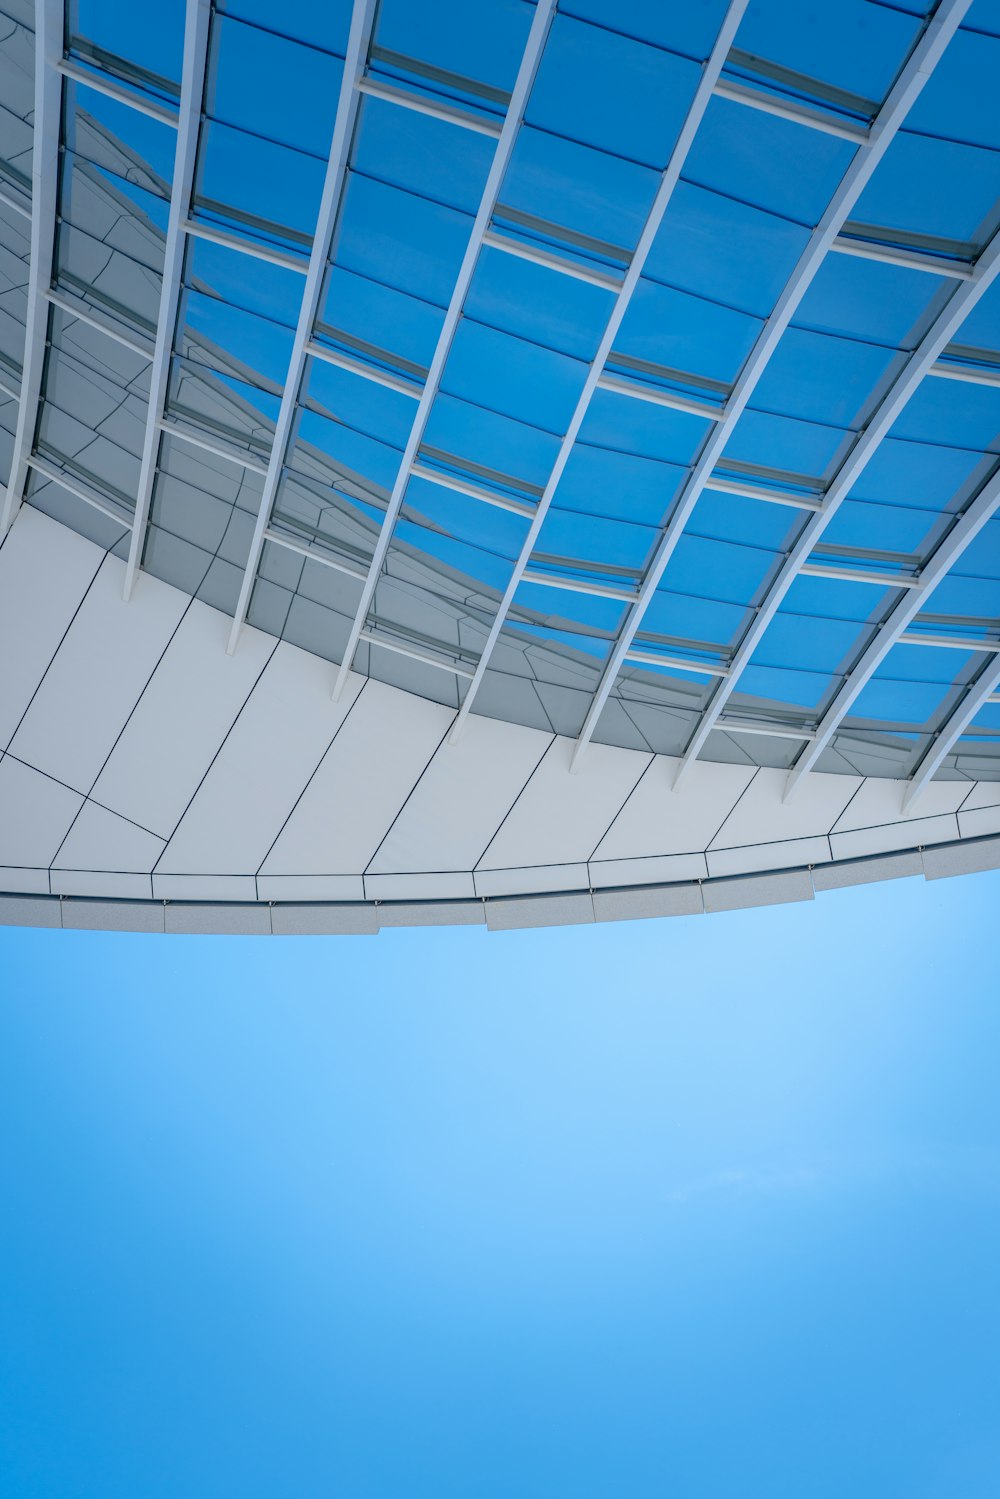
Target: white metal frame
pixel 49 32
pixel 942 330
pixel 901 98
pixel 348 104
pixel 982 691
pixel 668 181
pixel 893 630
pixel 544 12
pixel 196 34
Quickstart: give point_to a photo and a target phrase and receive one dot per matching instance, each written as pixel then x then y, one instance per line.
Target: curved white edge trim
pixel 498 913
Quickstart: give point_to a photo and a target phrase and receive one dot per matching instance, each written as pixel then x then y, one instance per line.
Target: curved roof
pixel 613 388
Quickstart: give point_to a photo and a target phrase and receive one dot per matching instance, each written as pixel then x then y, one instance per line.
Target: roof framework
pixel 867 126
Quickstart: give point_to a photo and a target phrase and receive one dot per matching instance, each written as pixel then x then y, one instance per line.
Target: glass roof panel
pixel 803 644
pixel 823 378
pixel 612 92
pixel 599 540
pixel 795 689
pixel 958 99
pixel 587 191
pixel 400 239
pixel 514 377
pixel 686 29
pixel 488 438
pixel 257 187
pixel 932 187
pixel 728 251
pixel 484 41
pixel 719 569
pixel 628 426
pixel 319 23
pixel 427 156
pixel 122 28
pixel 535 302
pixel 796 446
pixel 919 474
pixel 674 617
pixel 946 411
pixel 855 45
pixel 773 164
pixel 597 481
pixel 564 609
pixel 867 299
pixel 686 333
pixel 365 309
pixel 267 85
pixel 727 517
pixel 889 528
pixel 357 450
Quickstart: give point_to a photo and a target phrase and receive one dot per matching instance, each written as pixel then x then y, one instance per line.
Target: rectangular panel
pixel 96 677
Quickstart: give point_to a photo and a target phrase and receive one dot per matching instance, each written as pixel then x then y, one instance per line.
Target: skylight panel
pixel 854 46
pixel 611 92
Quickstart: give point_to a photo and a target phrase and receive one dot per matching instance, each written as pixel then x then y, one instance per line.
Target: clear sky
pixel 708 1208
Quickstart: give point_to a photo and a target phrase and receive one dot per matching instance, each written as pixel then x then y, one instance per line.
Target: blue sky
pixel 707 1207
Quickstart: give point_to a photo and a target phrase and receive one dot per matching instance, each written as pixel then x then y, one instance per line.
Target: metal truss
pixel 196 33
pixel 919 364
pixel 349 103
pixel 595 374
pixel 903 95
pixel 49 31
pixel 544 12
pixel 892 631
pixel 981 692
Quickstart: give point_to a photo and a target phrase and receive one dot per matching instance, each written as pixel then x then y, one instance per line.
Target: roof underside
pixel 621 372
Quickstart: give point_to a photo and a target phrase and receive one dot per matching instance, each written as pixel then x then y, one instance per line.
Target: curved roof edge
pixel 151 781
pixel 498 913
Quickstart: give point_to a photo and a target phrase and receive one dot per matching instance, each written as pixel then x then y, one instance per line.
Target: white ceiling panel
pixel 880 802
pixel 37 604
pixel 462 798
pixel 186 711
pixel 560 815
pixel 657 820
pixel 370 770
pixel 760 815
pixel 255 780
pixel 100 839
pixel 97 675
pixel 35 814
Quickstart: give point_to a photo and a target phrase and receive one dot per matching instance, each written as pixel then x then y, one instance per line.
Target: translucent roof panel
pixel 584 364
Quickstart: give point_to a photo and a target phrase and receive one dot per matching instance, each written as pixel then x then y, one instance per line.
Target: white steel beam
pixel 791 109
pixel 530 60
pixel 49 21
pixel 970 375
pixel 893 631
pixel 722 485
pixel 901 98
pixel 196 27
pixel 910 260
pixel 977 696
pixel 474 491
pixel 679 663
pixel 967 643
pixel 421 105
pixel 348 104
pixel 660 395
pixel 668 181
pixel 538 255
pixel 942 330
pixel 104 84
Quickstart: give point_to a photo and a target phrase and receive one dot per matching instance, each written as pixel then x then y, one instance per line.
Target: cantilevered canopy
pixel 625 372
